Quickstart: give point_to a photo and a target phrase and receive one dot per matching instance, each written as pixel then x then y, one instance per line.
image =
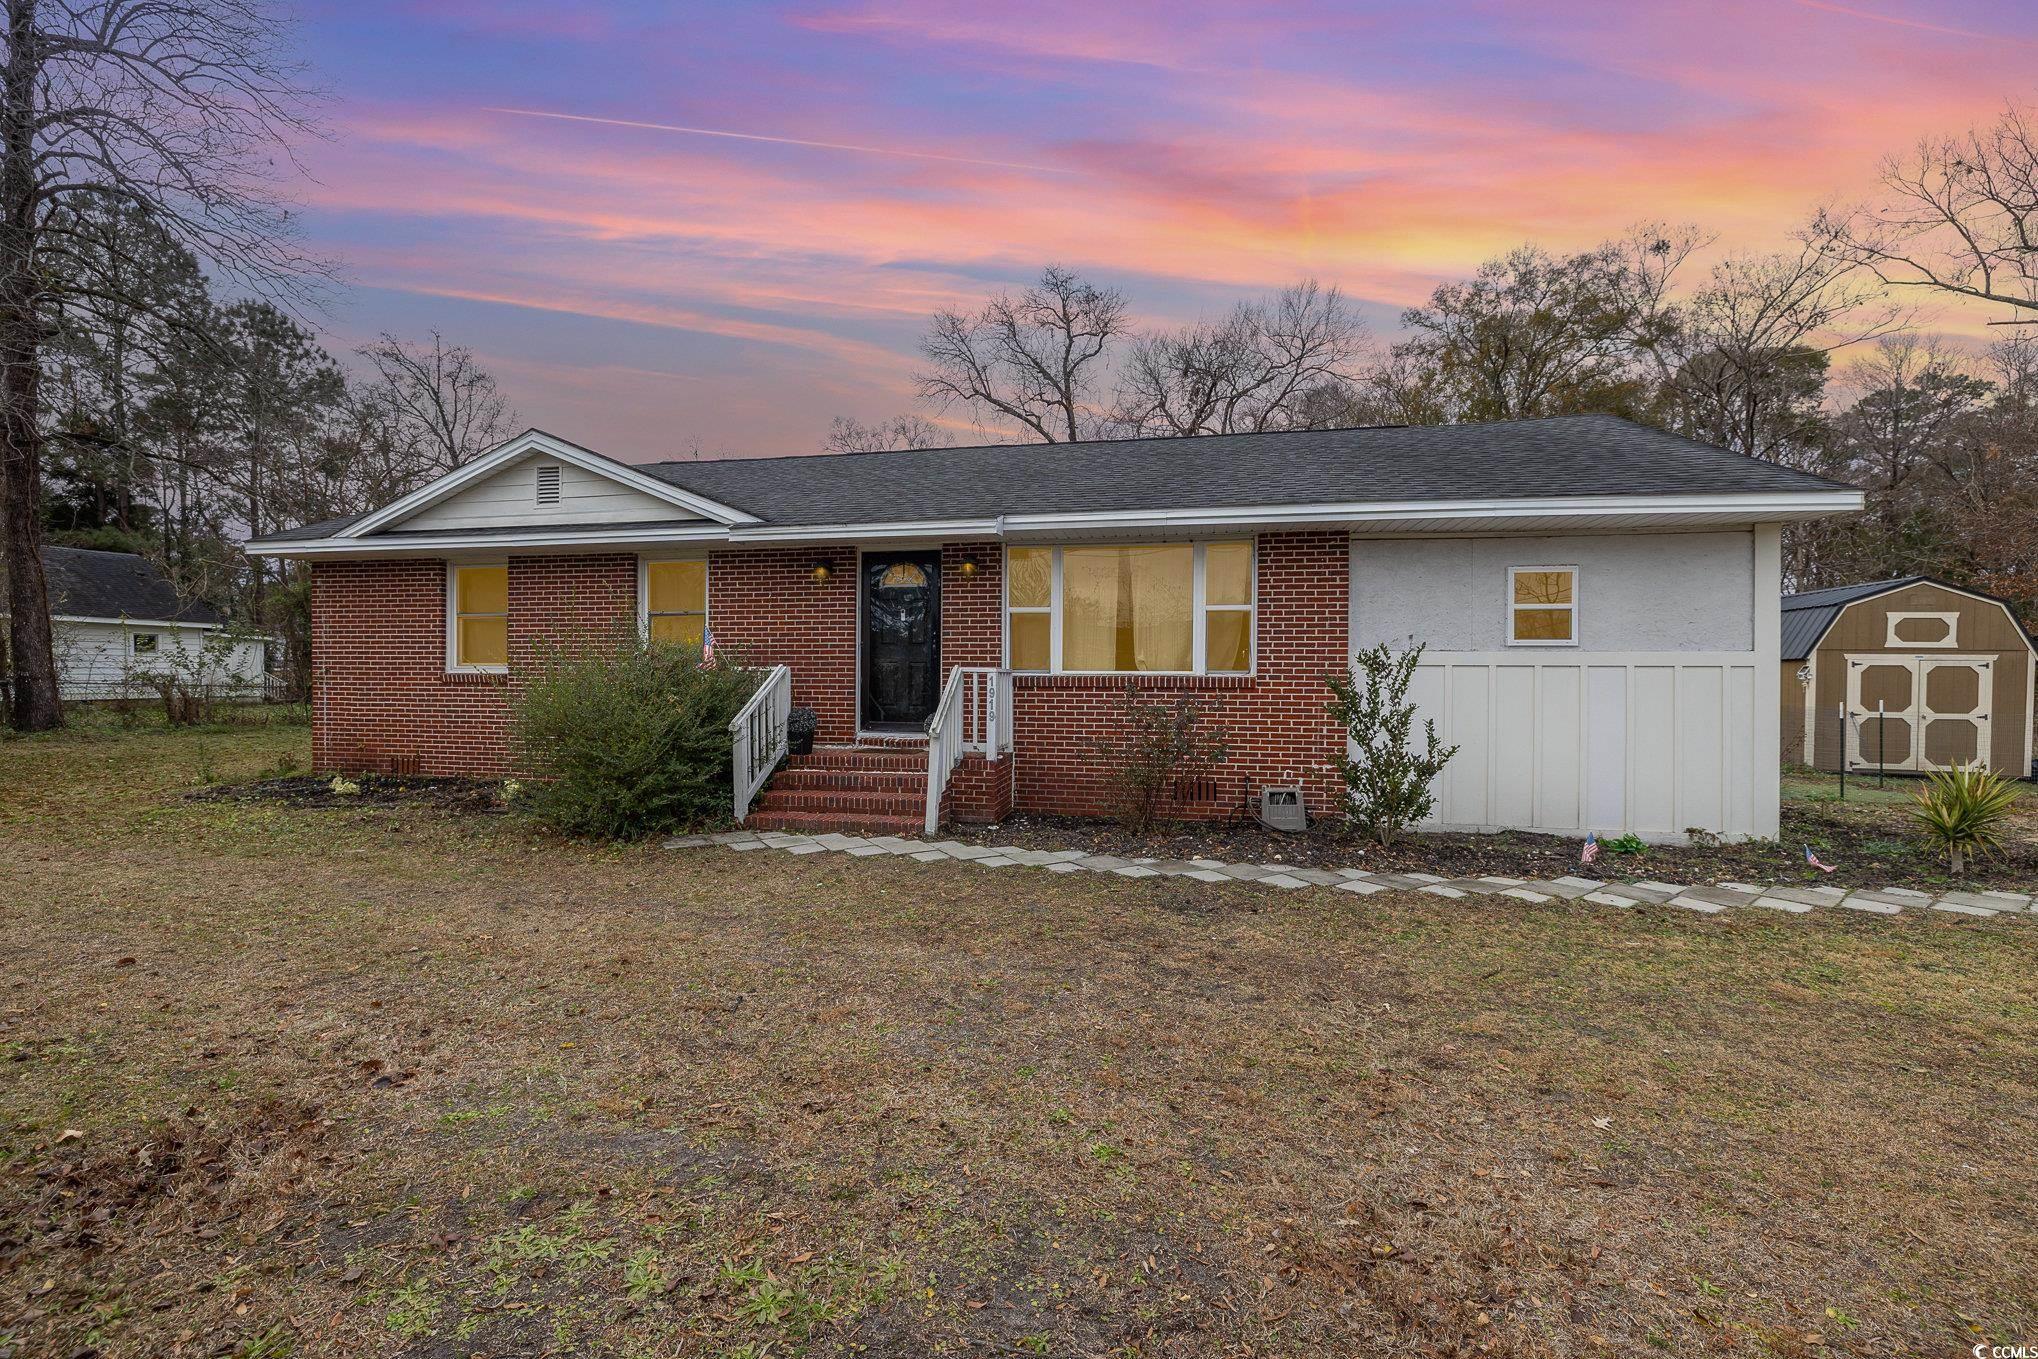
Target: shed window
pixel 1542 608
pixel 676 602
pixel 480 632
pixel 145 643
pixel 1131 608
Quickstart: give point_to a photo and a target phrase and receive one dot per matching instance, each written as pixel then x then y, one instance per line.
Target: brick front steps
pixel 1702 899
pixel 877 789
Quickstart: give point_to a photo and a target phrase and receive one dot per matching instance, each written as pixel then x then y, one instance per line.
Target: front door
pixel 901 639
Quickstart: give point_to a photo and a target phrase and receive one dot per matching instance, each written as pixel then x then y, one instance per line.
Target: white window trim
pixel 1577 589
pixel 1198 609
pixel 453 665
pixel 154 648
pixel 644 565
pixel 1950 642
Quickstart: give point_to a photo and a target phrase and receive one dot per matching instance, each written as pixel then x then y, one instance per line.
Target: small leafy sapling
pixel 1387 777
pixel 1158 742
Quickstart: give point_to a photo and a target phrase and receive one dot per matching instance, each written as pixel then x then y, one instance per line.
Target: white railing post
pixel 974 715
pixel 757 736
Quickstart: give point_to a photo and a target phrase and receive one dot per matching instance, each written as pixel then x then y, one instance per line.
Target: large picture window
pixel 1131 608
pixel 676 601
pixel 479 635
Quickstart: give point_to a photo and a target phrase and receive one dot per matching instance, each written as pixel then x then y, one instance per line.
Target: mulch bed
pixel 1865 854
pixel 377 790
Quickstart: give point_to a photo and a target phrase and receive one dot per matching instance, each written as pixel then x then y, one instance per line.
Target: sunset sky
pixel 671 226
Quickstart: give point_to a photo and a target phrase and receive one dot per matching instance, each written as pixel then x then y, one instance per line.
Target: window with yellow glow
pixel 1131 608
pixel 481 617
pixel 1542 605
pixel 676 601
pixel 1029 595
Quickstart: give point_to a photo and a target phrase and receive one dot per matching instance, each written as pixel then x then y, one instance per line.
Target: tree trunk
pixel 35 706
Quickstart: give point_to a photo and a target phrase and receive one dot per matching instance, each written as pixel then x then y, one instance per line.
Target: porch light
pixel 969 567
pixel 821 572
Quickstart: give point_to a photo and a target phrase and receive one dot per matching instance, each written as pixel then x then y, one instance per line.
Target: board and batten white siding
pixel 509 499
pixel 1661 721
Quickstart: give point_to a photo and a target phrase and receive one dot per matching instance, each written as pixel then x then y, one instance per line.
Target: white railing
pixel 758 736
pixel 973 717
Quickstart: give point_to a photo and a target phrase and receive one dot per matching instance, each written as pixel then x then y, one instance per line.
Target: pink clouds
pixel 896 157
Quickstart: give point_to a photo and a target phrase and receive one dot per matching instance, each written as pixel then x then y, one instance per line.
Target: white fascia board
pixel 430 544
pixel 1750 508
pixel 156 623
pixel 833 533
pixel 536 441
pixel 1802 504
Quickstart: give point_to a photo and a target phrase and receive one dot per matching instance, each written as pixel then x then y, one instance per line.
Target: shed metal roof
pixel 1807 616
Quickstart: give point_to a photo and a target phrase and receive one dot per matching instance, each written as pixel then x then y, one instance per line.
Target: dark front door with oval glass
pixel 901 639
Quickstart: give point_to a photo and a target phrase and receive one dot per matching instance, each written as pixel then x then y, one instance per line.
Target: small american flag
pixel 1591 850
pixel 708 647
pixel 1813 860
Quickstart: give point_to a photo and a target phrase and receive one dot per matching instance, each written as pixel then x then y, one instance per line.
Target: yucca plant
pixel 1962 809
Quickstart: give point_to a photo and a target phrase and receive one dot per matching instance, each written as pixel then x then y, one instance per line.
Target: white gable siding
pixel 98 661
pixel 510 498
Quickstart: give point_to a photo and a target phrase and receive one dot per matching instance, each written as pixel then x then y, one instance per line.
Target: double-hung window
pixel 1131 608
pixel 478 631
pixel 676 602
pixel 1542 605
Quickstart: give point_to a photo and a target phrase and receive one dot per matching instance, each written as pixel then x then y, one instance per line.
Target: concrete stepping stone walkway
pixel 1713 899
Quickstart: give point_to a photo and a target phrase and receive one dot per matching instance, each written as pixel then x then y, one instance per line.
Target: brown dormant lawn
pixel 398 1080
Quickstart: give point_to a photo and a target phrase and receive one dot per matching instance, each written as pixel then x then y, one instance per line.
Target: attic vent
pixel 548 483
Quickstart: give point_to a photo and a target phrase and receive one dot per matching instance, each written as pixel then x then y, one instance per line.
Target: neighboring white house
pixel 116 618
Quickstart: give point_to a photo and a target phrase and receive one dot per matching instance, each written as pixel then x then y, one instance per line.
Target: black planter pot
pixel 800 726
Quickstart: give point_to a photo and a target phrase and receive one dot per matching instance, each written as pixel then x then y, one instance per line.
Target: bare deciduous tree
pixel 440 401
pixel 901 431
pixel 1750 356
pixel 1254 370
pixel 179 108
pixel 1960 216
pixel 1034 360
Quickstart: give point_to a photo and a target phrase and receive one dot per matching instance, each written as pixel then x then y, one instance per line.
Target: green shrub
pixel 628 739
pixel 1159 741
pixel 1389 782
pixel 1962 810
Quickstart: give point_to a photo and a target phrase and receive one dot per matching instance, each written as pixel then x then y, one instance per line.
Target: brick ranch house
pixel 1599 602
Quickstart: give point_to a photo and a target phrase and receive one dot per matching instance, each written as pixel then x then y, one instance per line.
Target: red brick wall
pixel 765 604
pixel 1276 721
pixel 381 696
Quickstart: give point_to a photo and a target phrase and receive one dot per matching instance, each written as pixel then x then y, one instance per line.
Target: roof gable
pixel 498 490
pixel 1809 616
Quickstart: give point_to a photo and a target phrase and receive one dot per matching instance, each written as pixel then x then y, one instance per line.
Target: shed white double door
pixel 1918 712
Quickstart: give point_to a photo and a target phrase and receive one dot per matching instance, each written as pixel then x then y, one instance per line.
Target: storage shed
pixel 1911 674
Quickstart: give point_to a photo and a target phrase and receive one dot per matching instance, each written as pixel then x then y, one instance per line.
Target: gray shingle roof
pixel 1807 616
pixel 86 583
pixel 1582 455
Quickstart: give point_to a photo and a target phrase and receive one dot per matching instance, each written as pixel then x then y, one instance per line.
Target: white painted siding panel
pixel 1514 751
pixel 1606 745
pixel 1645 743
pixel 510 498
pixel 97 660
pixel 1466 725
